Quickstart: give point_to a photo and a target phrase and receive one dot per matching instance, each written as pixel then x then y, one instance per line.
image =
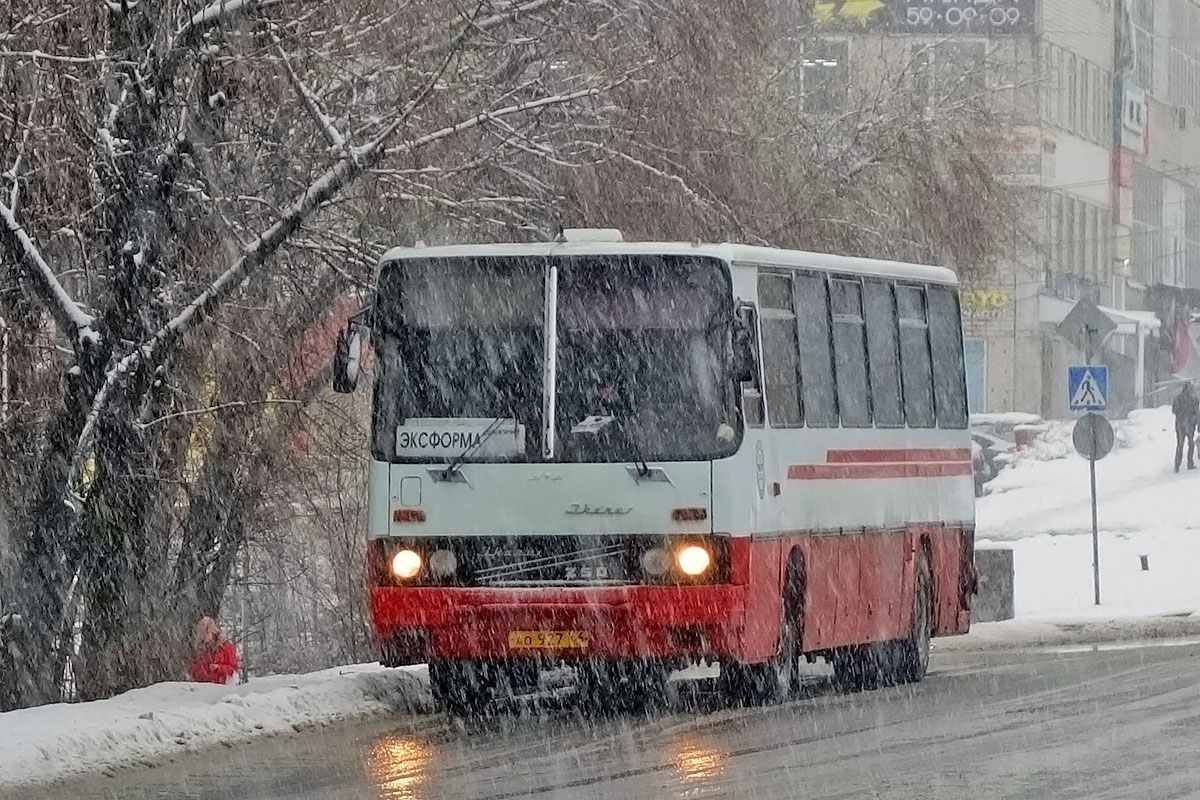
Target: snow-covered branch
pixel 199 412
pixel 14 172
pixel 486 116
pixel 666 176
pixel 66 312
pixel 39 55
pixel 324 122
pixel 216 12
pixel 491 22
pixel 257 252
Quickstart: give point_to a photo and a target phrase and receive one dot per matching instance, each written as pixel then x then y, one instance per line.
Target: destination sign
pixel 447 438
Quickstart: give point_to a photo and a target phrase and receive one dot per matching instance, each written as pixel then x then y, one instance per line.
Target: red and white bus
pixel 637 456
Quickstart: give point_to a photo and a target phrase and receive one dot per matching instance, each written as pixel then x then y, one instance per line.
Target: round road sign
pixel 1093 437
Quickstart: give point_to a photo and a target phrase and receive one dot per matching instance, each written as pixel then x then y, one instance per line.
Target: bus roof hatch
pixel 590 235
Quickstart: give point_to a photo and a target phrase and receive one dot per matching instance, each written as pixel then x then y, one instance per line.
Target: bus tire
pixel 778 678
pixel 622 687
pixel 856 668
pixel 458 688
pixel 911 655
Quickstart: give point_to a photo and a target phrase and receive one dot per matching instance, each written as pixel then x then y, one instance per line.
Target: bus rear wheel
pixel 895 662
pixel 911 660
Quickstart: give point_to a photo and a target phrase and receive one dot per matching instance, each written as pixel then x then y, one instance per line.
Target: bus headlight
pixel 655 562
pixel 443 563
pixel 693 560
pixel 406 564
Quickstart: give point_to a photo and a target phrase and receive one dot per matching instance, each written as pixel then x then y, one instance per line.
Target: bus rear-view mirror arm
pixel 347 359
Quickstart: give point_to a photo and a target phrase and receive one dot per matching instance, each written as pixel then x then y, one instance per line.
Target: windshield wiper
pixel 496 424
pixel 596 423
pixel 643 469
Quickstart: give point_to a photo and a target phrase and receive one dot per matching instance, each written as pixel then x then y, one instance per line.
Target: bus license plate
pixel 548 640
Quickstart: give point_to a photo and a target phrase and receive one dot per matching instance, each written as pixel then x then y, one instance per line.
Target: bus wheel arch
pixel 777 678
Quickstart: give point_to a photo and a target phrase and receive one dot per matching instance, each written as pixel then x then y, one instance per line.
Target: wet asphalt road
pixel 1083 722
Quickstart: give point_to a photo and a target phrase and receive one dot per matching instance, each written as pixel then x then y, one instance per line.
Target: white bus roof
pixel 731 253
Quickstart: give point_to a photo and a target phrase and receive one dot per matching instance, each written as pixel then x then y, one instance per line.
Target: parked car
pixel 981 468
pixel 990 454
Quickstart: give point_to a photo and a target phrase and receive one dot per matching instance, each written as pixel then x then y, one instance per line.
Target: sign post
pixel 1093 438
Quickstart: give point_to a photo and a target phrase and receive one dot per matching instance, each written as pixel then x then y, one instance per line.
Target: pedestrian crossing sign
pixel 1087 387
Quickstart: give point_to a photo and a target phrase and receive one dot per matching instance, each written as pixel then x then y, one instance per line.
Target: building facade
pixel 1102 98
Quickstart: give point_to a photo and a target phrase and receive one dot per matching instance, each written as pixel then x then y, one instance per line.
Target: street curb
pixel 1043 633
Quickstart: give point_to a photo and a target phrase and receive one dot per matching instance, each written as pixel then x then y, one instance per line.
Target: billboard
pixel 935 17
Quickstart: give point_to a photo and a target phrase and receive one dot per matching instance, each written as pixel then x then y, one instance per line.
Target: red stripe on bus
pixel 825 472
pixel 908 454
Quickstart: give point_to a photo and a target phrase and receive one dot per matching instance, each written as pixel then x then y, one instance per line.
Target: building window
pixel 1183 56
pixel 1078 245
pixel 1052 91
pixel 975 351
pixel 1192 235
pixel 826 77
pixel 1143 33
pixel 1078 94
pixel 1148 249
pixel 1074 96
pixel 949 73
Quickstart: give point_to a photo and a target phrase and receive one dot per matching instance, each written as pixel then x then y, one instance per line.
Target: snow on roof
pixel 730 253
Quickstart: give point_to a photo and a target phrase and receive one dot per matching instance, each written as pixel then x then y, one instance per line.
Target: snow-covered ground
pixel 147 725
pixel 1040 506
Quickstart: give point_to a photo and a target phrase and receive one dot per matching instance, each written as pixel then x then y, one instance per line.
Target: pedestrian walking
pixel 1186 409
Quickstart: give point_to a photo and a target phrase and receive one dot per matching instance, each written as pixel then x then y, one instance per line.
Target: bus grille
pixel 570 560
pixel 510 561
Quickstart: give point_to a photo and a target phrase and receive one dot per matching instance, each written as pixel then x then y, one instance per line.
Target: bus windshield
pixel 642 360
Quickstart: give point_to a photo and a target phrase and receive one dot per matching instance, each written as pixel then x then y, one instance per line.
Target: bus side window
pixel 916 371
pixel 949 372
pixel 883 351
pixel 752 395
pixel 816 350
pixel 850 348
pixel 781 364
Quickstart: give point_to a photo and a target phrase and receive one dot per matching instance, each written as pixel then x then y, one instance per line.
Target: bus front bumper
pixel 619 622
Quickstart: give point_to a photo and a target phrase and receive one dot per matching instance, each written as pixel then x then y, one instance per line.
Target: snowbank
pixel 1045 487
pixel 146 725
pixel 1040 506
pixel 1005 419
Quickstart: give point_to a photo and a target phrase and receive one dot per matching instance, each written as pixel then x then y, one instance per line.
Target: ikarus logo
pixel 584 508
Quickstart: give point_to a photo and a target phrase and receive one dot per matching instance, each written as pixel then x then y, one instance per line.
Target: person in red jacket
pixel 214 659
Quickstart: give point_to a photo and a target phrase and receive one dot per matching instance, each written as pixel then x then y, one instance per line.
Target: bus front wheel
pixel 459 689
pixel 778 678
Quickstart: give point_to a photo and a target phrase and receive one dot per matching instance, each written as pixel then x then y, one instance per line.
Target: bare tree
pixel 163 159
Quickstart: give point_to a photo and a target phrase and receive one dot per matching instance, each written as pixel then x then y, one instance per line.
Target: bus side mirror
pixel 346 359
pixel 745 360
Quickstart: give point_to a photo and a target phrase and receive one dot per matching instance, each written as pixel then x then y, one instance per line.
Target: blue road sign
pixel 1087 387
